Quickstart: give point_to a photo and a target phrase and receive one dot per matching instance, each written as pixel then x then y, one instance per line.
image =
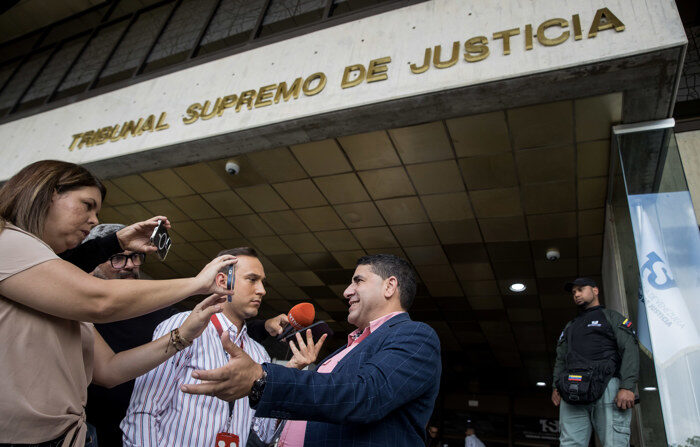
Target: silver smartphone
pixel 161 240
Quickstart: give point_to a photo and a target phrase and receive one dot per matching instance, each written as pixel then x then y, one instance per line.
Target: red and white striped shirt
pixel 160 414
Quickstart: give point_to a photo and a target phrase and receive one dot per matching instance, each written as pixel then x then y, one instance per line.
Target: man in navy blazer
pixel 383 384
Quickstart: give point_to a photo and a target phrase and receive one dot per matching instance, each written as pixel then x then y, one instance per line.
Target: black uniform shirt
pixel 592 336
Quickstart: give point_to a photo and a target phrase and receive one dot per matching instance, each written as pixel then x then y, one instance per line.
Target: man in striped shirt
pixel 160 414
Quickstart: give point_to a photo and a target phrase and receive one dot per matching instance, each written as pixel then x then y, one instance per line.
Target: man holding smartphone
pixel 107 407
pixel 160 414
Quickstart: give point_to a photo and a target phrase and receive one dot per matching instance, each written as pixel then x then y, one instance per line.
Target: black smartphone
pixel 161 240
pixel 317 330
pixel 230 279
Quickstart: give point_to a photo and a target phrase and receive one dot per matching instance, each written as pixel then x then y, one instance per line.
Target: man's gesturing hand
pixel 230 382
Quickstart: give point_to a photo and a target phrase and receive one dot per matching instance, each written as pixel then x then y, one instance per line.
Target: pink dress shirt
pixel 295 431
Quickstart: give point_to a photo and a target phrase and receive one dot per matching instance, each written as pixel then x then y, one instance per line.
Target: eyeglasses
pixel 119 261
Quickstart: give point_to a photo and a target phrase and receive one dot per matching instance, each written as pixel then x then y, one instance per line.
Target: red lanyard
pixel 217 324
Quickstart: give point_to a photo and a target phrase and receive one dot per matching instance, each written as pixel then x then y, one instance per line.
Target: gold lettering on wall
pixel 118 132
pixel 544 40
pixel 476 49
pixel 604 19
pixel 506 35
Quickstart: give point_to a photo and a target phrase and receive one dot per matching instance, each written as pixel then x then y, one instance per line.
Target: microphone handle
pixel 287 330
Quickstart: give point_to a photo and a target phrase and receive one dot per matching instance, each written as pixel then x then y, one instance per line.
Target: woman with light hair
pixel 48 353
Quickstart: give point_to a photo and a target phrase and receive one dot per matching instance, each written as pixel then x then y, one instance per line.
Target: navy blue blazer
pixel 381 394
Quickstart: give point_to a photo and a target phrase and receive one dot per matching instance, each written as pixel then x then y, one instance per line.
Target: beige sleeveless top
pixel 45 361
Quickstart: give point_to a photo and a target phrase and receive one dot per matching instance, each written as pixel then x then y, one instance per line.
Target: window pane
pixel 92 58
pixel 6 71
pixel 284 15
pixel 125 7
pixel 21 80
pixel 17 48
pixel 50 76
pixel 74 26
pixel 135 44
pixel 342 6
pixel 231 24
pixel 181 33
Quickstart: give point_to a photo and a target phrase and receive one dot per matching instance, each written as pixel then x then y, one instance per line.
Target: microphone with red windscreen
pixel 300 316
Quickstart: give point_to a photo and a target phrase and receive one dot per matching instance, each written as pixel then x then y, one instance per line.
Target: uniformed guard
pixel 596 372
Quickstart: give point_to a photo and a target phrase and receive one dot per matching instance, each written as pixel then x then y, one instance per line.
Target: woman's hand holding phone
pixel 137 237
pixel 206 279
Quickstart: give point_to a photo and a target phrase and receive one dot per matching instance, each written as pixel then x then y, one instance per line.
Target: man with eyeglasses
pixel 107 407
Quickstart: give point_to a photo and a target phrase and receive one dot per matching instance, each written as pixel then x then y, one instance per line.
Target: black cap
pixel 579 282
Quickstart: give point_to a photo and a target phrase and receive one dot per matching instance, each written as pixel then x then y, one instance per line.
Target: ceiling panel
pixel 596 115
pixel 542 125
pixel 415 234
pixel 546 164
pixel 406 210
pixel 593 158
pixel 321 158
pixel 370 150
pixel 300 193
pixel 137 188
pixel 342 188
pixel 262 198
pixel 168 183
pixel 458 231
pixel 195 207
pixel 201 177
pixel 490 171
pixel 435 178
pixel 387 183
pixel 447 207
pixel 227 203
pixel 276 165
pixel 484 134
pixel 358 215
pixel 425 142
pixel 321 218
pixel 284 222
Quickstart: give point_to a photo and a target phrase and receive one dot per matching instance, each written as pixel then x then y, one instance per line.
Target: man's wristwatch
pixel 257 390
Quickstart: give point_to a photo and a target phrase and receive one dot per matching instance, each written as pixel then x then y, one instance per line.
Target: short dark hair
pixel 238 251
pixel 386 266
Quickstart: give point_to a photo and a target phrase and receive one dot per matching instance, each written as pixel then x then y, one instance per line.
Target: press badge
pixel 226 440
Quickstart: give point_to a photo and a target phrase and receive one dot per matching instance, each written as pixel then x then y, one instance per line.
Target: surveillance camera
pixel 232 168
pixel 552 255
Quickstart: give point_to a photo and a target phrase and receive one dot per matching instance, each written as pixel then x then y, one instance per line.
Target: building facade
pixel 470 137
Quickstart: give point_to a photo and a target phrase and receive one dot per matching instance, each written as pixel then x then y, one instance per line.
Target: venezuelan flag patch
pixel 627 323
pixel 575 378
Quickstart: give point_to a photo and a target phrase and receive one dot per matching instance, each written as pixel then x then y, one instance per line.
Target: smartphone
pixel 317 330
pixel 161 240
pixel 230 279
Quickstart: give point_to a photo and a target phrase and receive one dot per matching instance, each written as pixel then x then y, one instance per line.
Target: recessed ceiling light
pixel 541 384
pixel 517 287
pixel 649 388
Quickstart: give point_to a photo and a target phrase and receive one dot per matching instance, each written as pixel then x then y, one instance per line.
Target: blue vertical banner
pixel 668 251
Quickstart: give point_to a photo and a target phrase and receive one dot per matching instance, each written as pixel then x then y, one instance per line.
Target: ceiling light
pixel 541 384
pixel 517 287
pixel 649 388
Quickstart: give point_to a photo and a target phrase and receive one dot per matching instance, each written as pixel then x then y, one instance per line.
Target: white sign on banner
pixel 668 252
